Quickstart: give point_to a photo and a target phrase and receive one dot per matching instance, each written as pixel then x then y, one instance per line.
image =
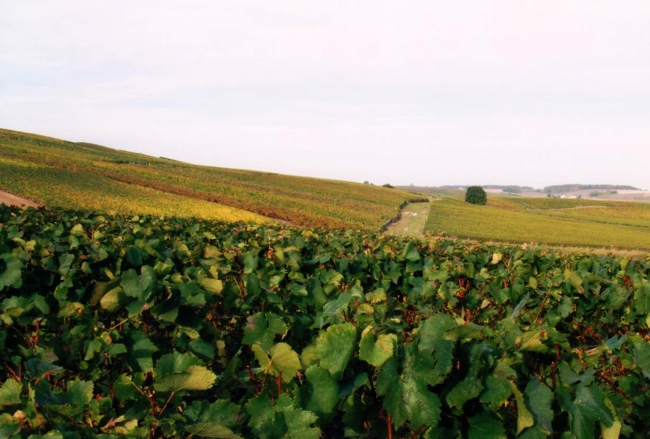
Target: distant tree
pixel 388 186
pixel 475 195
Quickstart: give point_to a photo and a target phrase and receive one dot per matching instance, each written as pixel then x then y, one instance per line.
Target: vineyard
pixel 144 326
pixel 84 176
pixel 611 224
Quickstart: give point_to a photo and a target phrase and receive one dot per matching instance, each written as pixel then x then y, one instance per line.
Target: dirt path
pixel 13 200
pixel 414 217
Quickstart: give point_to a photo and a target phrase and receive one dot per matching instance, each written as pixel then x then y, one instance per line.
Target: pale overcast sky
pixel 423 92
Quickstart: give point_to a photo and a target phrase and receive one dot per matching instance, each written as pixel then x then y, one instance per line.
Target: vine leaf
pixel 335 347
pixel 323 391
pixel 10 272
pixel 10 392
pixel 214 286
pixel 376 352
pixel 281 358
pixel 177 372
pixel 432 339
pixel 214 420
pixel 114 300
pixel 282 420
pixel 9 426
pixel 211 430
pixel 587 409
pixel 484 426
pixel 525 417
pixel 540 400
pixel 407 396
pixel 193 378
pixel 263 328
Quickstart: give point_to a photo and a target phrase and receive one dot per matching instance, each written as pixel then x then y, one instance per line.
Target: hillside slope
pixel 82 175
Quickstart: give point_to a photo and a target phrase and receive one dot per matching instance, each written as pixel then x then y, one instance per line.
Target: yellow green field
pixel 55 172
pixel 545 221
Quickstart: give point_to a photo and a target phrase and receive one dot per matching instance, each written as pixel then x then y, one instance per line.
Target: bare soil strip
pixel 414 217
pixel 13 200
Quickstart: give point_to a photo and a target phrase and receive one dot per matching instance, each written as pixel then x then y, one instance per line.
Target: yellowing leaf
pixel 193 378
pixel 10 392
pixel 213 286
pixel 280 359
pixel 376 352
pixel 525 417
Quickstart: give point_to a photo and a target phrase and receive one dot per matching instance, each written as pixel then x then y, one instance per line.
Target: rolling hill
pixel 60 173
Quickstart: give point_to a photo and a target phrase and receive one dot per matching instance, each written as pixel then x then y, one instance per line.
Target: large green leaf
pixel 124 388
pixel 211 430
pixel 281 359
pixel 282 420
pixel 114 300
pixel 539 399
pixel 323 391
pixel 214 420
pixel 588 408
pixel 175 362
pixel 642 299
pixel 262 328
pixel 79 393
pixel 142 351
pixel 407 397
pixel 65 263
pixel 376 352
pixel 484 426
pixel 471 386
pixel 335 347
pixel 10 271
pixel 10 392
pixel 642 357
pixel 497 385
pixel 299 424
pixel 262 414
pixel 139 287
pixel 432 338
pixel 176 372
pixel 573 278
pixel 9 426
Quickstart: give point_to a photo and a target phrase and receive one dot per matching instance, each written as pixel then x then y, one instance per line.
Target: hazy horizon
pixel 438 93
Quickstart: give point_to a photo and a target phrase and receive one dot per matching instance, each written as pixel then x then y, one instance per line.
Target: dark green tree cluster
pixel 475 195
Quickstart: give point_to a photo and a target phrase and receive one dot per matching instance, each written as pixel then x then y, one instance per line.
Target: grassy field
pixel 545 221
pixel 81 175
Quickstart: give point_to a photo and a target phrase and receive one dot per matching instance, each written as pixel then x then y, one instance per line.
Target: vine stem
pixel 253 380
pixel 13 374
pixel 168 401
pixel 389 423
pixel 278 382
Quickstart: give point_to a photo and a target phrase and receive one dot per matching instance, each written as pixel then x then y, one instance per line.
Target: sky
pixel 424 92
